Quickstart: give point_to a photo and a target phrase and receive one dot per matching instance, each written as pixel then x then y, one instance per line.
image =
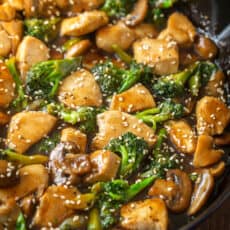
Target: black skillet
pixel 212 17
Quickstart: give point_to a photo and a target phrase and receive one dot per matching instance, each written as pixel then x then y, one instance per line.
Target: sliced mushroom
pixel 136 98
pixel 80 89
pixel 217 169
pixel 5 43
pixel 118 34
pixel 52 209
pixel 28 127
pixel 113 124
pixel 105 165
pixel 180 29
pixel 71 135
pixel 78 49
pixel 7 12
pixel 176 190
pixel 138 13
pixel 203 188
pixel 6 86
pixel 84 23
pixel 222 140
pixel 145 30
pixel 182 136
pixel 149 214
pixel 158 54
pixel 215 85
pixel 212 116
pixel 8 174
pixel 205 48
pixel 205 155
pixel 30 51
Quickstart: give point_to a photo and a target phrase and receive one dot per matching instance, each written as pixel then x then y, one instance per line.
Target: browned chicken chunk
pixel 7 12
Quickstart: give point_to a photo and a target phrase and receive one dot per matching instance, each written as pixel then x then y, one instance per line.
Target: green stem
pixel 94 220
pixel 122 54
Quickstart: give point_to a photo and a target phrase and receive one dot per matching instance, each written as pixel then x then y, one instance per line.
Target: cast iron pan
pixel 212 17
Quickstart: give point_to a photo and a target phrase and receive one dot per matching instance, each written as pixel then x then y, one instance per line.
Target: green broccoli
pixel 132 150
pixel 117 8
pixel 20 223
pixel 43 29
pixel 113 79
pixel 172 85
pixel 43 79
pixel 21 101
pixel 162 159
pixel 165 111
pixel 85 117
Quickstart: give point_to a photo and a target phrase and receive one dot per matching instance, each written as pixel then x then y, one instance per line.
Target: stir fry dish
pixel 113 115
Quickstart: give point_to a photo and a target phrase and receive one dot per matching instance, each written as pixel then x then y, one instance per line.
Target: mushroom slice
pixel 176 190
pixel 223 139
pixel 212 116
pixel 80 89
pixel 158 54
pixel 138 14
pixel 217 169
pixel 6 86
pixel 134 99
pixel 5 43
pixel 118 34
pixel 182 136
pixel 52 208
pixel 28 127
pixel 205 155
pixel 84 23
pixel 105 165
pixel 203 188
pixel 7 12
pixel 74 136
pixel 113 124
pixel 180 29
pixel 145 30
pixel 149 214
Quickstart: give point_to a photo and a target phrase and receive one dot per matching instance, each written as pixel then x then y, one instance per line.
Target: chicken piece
pixel 180 29
pixel 136 98
pixel 78 49
pixel 80 89
pixel 160 54
pixel 75 137
pixel 4 118
pixel 212 116
pixel 5 43
pixel 17 4
pixel 215 85
pixel 31 51
pixel 6 86
pixel 7 12
pixel 105 165
pixel 15 30
pixel 138 13
pixel 149 214
pixel 205 155
pixel 84 23
pixel 52 209
pixel 182 136
pixel 113 124
pixel 118 34
pixel 28 127
pixel 145 30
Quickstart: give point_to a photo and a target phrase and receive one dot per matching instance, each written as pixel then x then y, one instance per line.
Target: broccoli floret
pixel 43 79
pixel 85 117
pixel 114 194
pixel 161 160
pixel 117 8
pixel 21 101
pixel 132 150
pixel 113 79
pixel 172 85
pixel 165 111
pixel 43 29
pixel 21 222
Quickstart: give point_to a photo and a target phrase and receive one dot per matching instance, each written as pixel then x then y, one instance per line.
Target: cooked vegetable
pixel 43 29
pixel 94 220
pixel 21 223
pixel 165 111
pixel 132 150
pixel 84 116
pixel 44 78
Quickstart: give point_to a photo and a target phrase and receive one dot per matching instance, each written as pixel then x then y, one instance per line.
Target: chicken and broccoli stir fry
pixel 113 115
